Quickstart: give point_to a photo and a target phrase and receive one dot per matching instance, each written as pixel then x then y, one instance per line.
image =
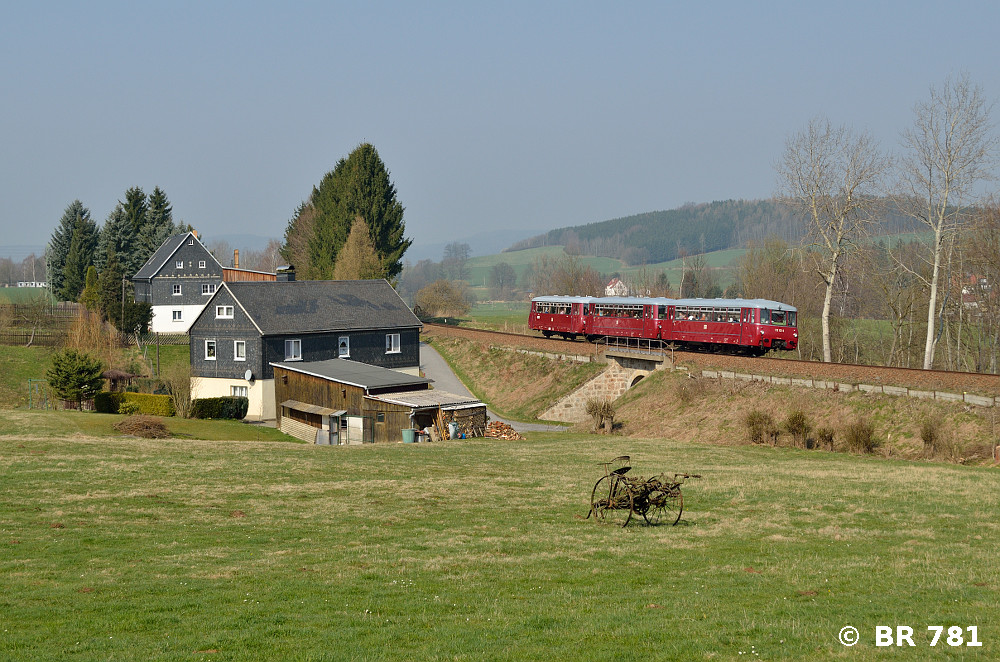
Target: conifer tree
pixel 75 216
pixel 358 260
pixel 80 256
pixel 89 297
pixel 158 225
pixel 359 186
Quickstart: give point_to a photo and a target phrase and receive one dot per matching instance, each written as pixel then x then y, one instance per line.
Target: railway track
pixel 942 380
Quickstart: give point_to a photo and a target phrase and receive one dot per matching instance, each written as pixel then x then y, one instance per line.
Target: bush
pixel 824 437
pixel 603 413
pixel 74 375
pixel 226 407
pixel 936 442
pixel 137 403
pixel 129 408
pixel 798 425
pixel 760 427
pixel 142 426
pixel 690 390
pixel 859 435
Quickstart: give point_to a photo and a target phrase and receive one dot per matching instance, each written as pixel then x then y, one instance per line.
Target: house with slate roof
pixel 247 326
pixel 177 281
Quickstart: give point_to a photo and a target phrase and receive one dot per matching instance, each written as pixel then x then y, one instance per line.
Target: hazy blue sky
pixel 525 116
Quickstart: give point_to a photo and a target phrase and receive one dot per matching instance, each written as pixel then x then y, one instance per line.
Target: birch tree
pixel 832 176
pixel 948 152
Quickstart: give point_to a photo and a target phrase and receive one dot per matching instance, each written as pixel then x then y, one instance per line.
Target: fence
pixel 39 339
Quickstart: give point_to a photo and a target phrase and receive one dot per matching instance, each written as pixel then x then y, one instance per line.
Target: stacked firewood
pixel 500 430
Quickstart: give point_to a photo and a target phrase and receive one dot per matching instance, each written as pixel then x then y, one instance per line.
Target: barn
pixel 340 402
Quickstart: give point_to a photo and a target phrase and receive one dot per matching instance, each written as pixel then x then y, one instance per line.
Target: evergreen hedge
pixel 228 407
pixel 154 405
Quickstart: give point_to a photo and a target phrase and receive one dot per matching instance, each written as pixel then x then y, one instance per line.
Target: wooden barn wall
pixel 397 417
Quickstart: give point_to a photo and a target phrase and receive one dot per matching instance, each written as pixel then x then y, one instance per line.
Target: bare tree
pixel 949 151
pixel 832 176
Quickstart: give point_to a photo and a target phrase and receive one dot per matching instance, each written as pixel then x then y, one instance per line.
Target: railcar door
pixel 748 330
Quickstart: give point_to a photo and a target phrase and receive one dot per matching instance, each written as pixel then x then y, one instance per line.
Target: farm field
pixel 24 295
pixel 174 550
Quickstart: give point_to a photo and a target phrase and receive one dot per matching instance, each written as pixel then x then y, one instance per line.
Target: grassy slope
pixel 479 266
pixel 517 386
pixel 134 550
pixel 17 366
pixel 678 407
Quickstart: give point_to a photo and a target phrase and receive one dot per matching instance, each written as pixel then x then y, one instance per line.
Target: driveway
pixel 436 368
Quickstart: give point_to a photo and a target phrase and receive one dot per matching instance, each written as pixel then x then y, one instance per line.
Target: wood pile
pixel 500 430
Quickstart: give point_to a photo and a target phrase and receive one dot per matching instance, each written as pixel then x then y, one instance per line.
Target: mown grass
pixel 178 550
pixel 55 424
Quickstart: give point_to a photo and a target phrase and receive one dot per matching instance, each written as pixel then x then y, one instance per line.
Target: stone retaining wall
pixel 902 391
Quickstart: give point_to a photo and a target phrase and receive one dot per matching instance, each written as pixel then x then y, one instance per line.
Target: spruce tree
pixel 80 256
pixel 89 296
pixel 75 216
pixel 117 237
pixel 158 225
pixel 359 186
pixel 75 376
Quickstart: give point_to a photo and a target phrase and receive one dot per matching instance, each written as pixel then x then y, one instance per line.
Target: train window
pixel 765 316
pixel 791 318
pixel 778 317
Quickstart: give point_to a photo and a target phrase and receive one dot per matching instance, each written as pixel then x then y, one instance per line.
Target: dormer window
pixel 179 264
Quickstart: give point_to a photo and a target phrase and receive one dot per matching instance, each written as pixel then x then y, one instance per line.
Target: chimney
pixel 195 233
pixel 285 274
pixel 236 259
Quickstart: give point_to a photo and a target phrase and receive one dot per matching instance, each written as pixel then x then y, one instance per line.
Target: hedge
pixel 154 405
pixel 231 407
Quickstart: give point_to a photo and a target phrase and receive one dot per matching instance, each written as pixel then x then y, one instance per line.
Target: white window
pixel 179 264
pixel 177 290
pixel 223 312
pixel 293 350
pixel 344 347
pixel 240 350
pixel 207 288
pixel 392 343
pixel 209 350
pixel 190 241
pixel 176 315
pixel 201 264
pixel 238 391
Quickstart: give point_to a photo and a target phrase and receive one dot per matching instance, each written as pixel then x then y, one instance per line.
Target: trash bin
pixel 453 430
pixel 409 435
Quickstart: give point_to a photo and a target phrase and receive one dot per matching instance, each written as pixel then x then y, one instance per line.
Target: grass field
pixel 55 424
pixel 24 294
pixel 479 267
pixel 180 550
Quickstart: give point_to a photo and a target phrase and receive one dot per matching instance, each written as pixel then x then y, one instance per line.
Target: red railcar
pixel 750 325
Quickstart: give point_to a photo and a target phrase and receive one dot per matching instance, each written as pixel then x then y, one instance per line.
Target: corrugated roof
pixel 429 398
pixel 310 306
pixel 312 409
pixel 345 371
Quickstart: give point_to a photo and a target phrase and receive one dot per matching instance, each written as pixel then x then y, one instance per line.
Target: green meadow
pixel 124 549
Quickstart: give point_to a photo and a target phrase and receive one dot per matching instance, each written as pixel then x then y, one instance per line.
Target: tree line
pixel 94 265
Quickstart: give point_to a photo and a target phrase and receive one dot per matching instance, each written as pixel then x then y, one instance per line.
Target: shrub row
pixel 133 403
pixel 229 407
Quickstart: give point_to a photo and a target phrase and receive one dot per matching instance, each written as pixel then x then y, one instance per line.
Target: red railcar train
pixel 753 326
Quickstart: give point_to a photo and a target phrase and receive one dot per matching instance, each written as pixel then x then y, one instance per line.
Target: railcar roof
pixel 662 301
pixel 731 303
pixel 563 298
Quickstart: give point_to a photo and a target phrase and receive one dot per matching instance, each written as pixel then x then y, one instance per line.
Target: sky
pixel 519 116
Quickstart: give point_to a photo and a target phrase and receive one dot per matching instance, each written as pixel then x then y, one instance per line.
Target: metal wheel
pixel 665 506
pixel 611 501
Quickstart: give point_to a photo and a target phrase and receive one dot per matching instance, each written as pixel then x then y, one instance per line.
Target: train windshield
pixel 778 317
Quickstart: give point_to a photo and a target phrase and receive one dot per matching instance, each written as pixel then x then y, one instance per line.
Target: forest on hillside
pixel 693 229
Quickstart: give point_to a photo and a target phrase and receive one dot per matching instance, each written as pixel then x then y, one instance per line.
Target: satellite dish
pixel 248 375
